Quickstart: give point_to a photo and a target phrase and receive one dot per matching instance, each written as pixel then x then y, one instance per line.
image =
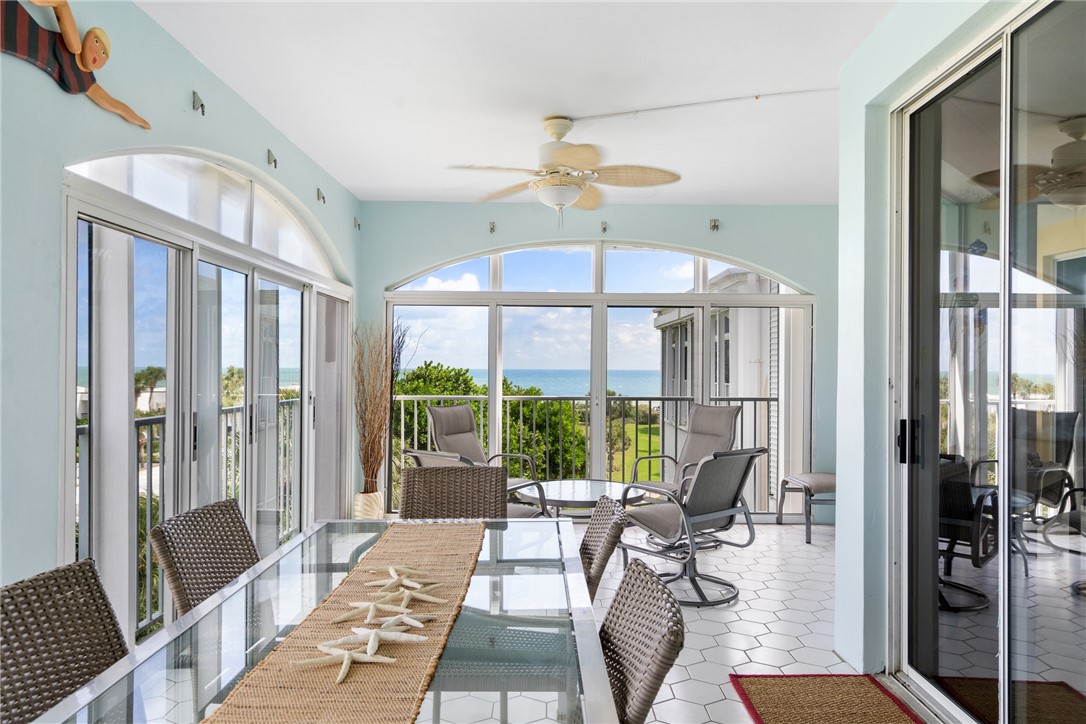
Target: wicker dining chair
pixel 58 631
pixel 600 538
pixel 476 491
pixel 202 550
pixel 642 635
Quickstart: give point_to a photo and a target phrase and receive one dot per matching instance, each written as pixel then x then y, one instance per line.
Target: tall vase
pixel 369 506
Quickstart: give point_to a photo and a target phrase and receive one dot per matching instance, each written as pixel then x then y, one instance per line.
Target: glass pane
pixel 331 406
pixel 725 278
pixel 184 186
pixel 564 269
pixel 83 467
pixel 649 385
pixel 1048 361
pixel 277 232
pixel 546 353
pixel 466 276
pixel 444 362
pixel 647 270
pixel 151 289
pixel 952 527
pixel 279 417
pixel 220 383
pixel 760 360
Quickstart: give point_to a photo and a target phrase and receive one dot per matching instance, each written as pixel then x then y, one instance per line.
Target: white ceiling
pixel 387 96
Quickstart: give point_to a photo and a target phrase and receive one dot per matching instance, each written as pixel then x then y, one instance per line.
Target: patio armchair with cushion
pixel 452 429
pixel 1069 521
pixel 966 518
pixel 685 522
pixel 1043 442
pixel 709 429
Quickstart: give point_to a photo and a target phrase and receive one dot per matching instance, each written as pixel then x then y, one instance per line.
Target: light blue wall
pixel 795 244
pixel 43 129
pixel 915 42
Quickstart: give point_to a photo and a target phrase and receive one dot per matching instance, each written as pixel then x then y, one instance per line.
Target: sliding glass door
pixel 992 442
pixel 221 422
pixel 277 420
pixel 948 438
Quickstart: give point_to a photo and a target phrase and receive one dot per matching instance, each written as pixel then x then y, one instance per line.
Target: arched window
pixel 214 197
pixel 538 338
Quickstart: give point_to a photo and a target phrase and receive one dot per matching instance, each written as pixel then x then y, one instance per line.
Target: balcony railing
pixel 150 465
pixel 554 431
pixel 150 462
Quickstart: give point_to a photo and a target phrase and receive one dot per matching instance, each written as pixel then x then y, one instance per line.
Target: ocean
pixel 631 383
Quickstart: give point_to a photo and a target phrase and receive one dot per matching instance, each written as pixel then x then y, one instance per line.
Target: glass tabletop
pixel 579 492
pixel 526 625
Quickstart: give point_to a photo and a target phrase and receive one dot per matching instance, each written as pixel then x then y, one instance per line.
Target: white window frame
pixel 84 198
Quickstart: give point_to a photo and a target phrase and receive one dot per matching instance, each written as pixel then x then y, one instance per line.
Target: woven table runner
pixel 277 690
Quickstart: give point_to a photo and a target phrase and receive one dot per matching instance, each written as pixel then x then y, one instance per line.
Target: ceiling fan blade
pixel 581 157
pixel 1024 175
pixel 503 169
pixel 634 176
pixel 507 191
pixel 590 199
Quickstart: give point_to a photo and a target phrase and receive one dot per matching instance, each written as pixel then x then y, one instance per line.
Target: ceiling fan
pixel 568 172
pixel 1063 183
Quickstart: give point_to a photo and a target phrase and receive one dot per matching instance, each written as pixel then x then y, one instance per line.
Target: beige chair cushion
pixel 817 483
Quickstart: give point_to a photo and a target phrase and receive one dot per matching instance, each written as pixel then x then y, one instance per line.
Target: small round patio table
pixel 579 493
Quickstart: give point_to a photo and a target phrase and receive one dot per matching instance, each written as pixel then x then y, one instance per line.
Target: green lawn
pixel 641 442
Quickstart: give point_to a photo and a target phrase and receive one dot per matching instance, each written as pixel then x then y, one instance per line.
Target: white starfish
pixel 415 620
pixel 399 578
pixel 371 609
pixel 421 594
pixel 373 638
pixel 344 658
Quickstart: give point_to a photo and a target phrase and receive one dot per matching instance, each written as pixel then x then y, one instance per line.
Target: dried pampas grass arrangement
pixel 376 364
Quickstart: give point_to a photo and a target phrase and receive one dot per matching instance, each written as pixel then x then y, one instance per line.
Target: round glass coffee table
pixel 579 493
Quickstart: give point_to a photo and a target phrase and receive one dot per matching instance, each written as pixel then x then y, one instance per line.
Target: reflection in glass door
pixel 948 440
pixel 277 417
pixel 1047 340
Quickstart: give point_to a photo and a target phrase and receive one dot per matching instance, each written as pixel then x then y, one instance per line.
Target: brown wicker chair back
pixel 453 492
pixel 642 635
pixel 58 631
pixel 202 550
pixel 600 538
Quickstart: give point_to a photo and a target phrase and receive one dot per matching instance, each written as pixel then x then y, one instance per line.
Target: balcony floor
pixel 782 621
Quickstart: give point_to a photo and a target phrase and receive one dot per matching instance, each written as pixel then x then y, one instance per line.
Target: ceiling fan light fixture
pixel 558 190
pixel 1065 184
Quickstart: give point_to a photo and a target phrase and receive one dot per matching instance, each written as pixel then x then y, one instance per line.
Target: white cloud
pixel 683 271
pixel 467 282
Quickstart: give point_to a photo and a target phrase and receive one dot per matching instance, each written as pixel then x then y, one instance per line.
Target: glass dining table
pixel 524 639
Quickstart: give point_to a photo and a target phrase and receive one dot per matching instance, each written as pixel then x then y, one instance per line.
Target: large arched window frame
pixel 225 224
pixel 700 316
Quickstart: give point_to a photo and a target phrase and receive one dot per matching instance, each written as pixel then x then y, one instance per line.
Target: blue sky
pixel 150 297
pixel 545 337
